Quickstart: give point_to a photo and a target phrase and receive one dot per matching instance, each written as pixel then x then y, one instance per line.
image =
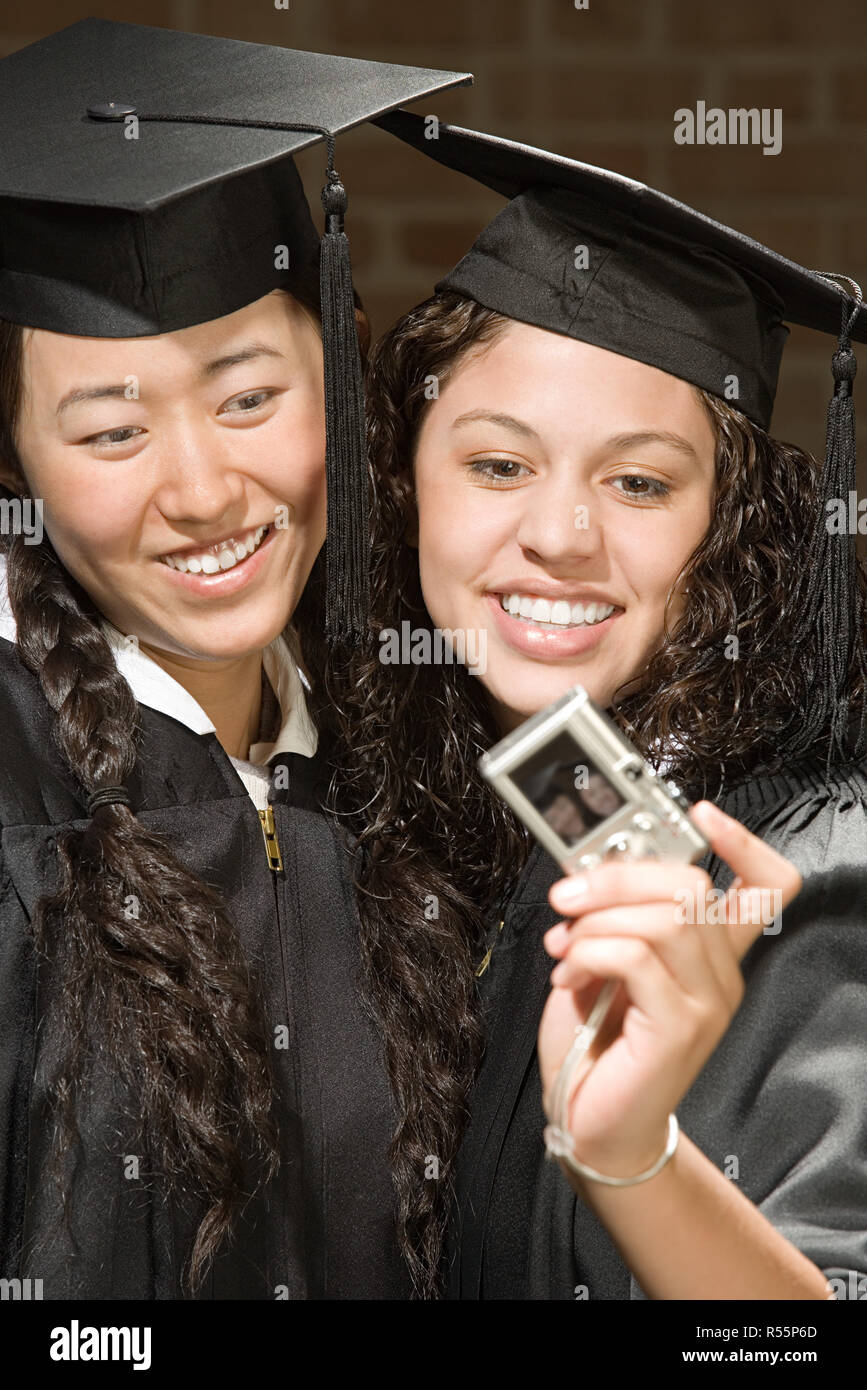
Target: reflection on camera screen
pixel 567 789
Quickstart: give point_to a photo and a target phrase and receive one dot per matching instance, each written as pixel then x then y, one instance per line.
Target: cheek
pixel 688 538
pixel 306 481
pixel 87 511
pixel 460 530
pixel 653 554
pixel 293 457
pixel 437 551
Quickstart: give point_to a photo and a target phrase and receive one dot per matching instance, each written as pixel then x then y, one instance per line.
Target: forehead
pixel 553 379
pixel 51 358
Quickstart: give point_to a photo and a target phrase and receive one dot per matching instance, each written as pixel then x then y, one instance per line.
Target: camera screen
pixel 567 788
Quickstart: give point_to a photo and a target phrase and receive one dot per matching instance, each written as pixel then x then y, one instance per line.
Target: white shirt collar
pixel 154 687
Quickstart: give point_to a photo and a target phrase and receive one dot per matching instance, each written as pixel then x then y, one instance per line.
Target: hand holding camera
pixel 616 1060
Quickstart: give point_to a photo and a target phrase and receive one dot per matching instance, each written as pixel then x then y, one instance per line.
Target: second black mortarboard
pixel 147 184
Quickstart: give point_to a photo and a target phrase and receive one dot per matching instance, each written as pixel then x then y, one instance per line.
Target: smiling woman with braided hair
pixel 137 939
pixel 189 1082
pixel 169 1078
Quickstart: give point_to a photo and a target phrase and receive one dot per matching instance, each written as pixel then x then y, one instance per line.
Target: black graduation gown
pixel 780 1106
pixel 325 1227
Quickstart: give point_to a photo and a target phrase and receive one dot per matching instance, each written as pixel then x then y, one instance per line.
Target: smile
pixel 225 555
pixel 559 614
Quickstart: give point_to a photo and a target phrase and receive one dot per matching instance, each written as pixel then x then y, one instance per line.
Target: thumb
pixel 756 865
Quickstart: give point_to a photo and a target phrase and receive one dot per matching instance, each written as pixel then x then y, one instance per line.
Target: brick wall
pixel 600 85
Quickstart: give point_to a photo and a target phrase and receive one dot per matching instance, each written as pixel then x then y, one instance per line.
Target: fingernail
pixel 569 890
pixel 577 980
pixel 556 939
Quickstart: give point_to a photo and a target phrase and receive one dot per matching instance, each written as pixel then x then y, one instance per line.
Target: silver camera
pixel 584 791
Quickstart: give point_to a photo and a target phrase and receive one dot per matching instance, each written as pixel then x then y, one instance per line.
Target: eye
pixel 118 436
pixel 646 487
pixel 498 471
pixel 247 404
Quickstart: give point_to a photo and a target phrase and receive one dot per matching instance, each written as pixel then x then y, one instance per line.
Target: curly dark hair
pixel 405 748
pixel 181 1021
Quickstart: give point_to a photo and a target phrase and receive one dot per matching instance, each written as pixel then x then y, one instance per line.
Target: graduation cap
pixel 585 252
pixel 147 184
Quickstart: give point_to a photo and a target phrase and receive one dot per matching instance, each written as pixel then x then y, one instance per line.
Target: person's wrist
pixel 619 1157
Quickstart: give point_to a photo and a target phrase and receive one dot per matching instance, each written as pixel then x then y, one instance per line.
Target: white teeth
pixel 224 556
pixel 557 614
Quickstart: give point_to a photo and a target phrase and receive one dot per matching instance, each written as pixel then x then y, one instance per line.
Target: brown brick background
pixel 600 85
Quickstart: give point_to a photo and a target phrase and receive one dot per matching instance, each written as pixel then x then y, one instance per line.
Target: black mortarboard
pixel 588 253
pixel 109 229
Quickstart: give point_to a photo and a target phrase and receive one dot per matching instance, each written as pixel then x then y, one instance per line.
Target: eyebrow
pixel 117 390
pixel 621 443
pixel 618 443
pixel 508 422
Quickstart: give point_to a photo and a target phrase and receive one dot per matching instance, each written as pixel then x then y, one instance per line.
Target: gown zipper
pixel 275 1276
pixel 272 844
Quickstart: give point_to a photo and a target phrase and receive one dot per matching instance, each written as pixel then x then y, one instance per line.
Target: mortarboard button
pixel 110 110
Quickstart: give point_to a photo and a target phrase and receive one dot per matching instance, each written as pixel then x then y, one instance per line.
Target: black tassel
pixel 830 603
pixel 348 541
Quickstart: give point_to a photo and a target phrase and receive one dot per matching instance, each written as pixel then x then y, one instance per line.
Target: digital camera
pixel 584 791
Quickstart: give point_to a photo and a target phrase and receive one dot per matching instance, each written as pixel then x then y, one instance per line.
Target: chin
pixel 525 693
pixel 218 644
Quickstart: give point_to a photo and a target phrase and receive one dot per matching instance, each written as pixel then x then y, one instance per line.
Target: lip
pixel 224 582
pixel 550 589
pixel 547 645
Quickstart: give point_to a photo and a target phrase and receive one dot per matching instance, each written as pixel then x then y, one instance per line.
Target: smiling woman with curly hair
pixel 563 469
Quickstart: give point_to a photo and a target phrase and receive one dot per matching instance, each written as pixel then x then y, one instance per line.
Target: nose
pixel 199 478
pixel 557 524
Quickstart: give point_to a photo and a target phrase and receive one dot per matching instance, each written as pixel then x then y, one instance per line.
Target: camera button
pixel 618 844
